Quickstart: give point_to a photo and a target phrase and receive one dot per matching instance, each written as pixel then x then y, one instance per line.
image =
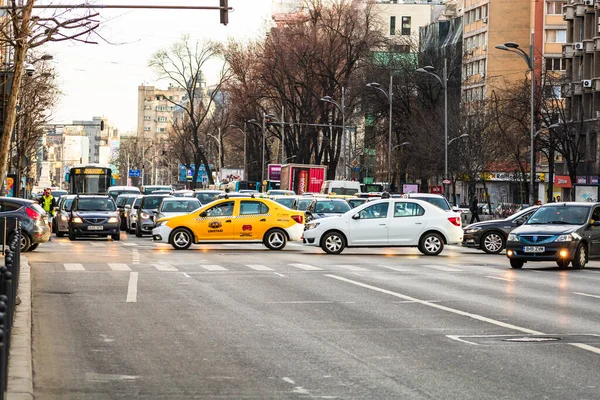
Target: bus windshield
pixel 89 179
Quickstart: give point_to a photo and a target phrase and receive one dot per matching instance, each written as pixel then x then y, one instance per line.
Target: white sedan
pixel 393 222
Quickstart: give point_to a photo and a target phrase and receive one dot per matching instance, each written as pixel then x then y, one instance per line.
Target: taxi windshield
pixel 560 214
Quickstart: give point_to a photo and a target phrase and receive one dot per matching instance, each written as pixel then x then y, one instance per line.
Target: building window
pixel 555 64
pixel 147 118
pixel 554 7
pixel 146 107
pixel 162 108
pixel 147 128
pixel 556 36
pixel 392 26
pixel 162 119
pixel 406 25
pixel 160 130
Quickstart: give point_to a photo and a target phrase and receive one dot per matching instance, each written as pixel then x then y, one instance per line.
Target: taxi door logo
pixel 215 225
pixel 246 231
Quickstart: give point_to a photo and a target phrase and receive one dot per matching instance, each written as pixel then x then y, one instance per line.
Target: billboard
pixel 188 173
pixel 274 172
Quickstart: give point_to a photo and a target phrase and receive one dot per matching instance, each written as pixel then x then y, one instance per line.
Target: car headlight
pixel 76 220
pixel 64 218
pixel 472 230
pixel 564 238
pixel 512 237
pixel 145 215
pixel 113 220
pixel 312 225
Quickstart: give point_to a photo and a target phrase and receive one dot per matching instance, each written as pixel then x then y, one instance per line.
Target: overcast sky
pixel 102 79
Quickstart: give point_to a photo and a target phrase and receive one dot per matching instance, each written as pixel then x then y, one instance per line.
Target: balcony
pixel 580 9
pixel 567 50
pixel 568 12
pixel 589 45
pixel 596 84
pixel 577 88
pixel 566 90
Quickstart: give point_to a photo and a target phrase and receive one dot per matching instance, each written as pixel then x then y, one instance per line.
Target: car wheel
pixel 275 239
pixel 138 232
pixel 516 264
pixel 431 244
pixel 333 243
pixel 562 263
pixel 60 234
pixel 580 257
pixel 72 236
pixel 116 237
pixel 25 242
pixel 492 243
pixel 33 247
pixel 181 239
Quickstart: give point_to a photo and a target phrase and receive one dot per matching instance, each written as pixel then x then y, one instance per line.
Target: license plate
pixel 534 249
pixel 95 228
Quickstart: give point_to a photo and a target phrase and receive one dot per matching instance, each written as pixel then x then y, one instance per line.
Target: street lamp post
pixel 262 127
pixel 341 107
pixel 530 60
pixel 444 82
pixel 243 133
pixel 388 95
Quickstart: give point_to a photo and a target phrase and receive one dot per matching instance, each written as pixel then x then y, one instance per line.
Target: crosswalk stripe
pixel 94 244
pixel 352 268
pixel 119 267
pixel 259 267
pixel 65 243
pixel 212 267
pixel 442 268
pixel 128 244
pixel 306 267
pixel 74 267
pixel 165 267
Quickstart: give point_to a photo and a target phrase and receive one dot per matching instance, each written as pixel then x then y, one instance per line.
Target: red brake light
pixel 32 213
pixel 454 221
pixel 298 218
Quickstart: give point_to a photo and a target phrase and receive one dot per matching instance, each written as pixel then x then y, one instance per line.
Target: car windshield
pixel 152 203
pixel 179 206
pixel 331 207
pixel 289 203
pixel 519 214
pixel 356 202
pixel 67 204
pixel 560 215
pixel 130 200
pixel 303 204
pixel 437 201
pixel 95 204
pixel 205 198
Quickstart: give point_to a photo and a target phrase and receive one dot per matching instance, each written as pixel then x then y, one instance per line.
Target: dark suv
pixel 146 213
pixel 94 215
pixel 561 232
pixel 33 218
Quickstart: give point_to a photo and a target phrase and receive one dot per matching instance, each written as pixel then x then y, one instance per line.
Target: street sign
pixel 356 169
pixel 135 173
pixel 354 162
pixel 446 181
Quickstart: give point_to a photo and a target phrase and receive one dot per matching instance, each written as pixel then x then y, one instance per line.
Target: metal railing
pixel 9 281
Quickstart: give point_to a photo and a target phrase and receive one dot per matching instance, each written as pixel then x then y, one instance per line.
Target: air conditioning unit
pixel 588 2
pixel 484 20
pixel 578 45
pixel 587 83
pixel 484 47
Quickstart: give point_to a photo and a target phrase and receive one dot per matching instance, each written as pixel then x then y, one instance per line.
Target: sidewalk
pixel 20 363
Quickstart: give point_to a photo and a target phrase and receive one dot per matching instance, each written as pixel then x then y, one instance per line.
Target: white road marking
pixel 119 267
pixel 94 377
pixel 74 267
pixel 587 295
pixel 277 273
pixel 259 267
pixel 586 347
pixel 165 267
pixel 136 256
pixel 302 302
pixel 351 267
pixel 442 268
pixel 65 243
pixel 97 244
pixel 499 278
pixel 186 275
pixel 132 288
pixel 306 267
pixel 394 268
pixel 288 380
pixel 212 267
pixel 128 244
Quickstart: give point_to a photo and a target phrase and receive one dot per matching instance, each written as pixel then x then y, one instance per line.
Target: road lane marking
pixel 499 278
pixel 277 273
pixel 65 243
pixel 165 267
pixel 302 302
pixel 128 244
pixel 587 295
pixel 586 347
pixel 119 267
pixel 394 268
pixel 95 244
pixel 306 267
pixel 132 288
pixel 186 275
pixel 212 267
pixel 136 256
pixel 74 267
pixel 352 268
pixel 259 267
pixel 442 268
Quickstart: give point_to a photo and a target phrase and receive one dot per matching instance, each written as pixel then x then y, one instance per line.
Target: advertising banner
pixel 274 172
pixel 188 174
pixel 410 188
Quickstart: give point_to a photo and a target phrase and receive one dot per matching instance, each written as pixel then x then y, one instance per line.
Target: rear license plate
pixel 534 249
pixel 94 228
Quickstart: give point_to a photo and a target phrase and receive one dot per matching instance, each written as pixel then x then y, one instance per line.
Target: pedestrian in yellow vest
pixel 48 204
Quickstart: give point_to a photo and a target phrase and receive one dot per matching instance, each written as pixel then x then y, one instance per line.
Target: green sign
pixel 368 179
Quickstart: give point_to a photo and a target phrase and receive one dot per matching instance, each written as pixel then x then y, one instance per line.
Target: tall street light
pixel 388 95
pixel 341 107
pixel 444 82
pixel 530 60
pixel 262 127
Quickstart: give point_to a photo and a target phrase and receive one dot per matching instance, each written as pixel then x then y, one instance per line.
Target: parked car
pixel 326 207
pixel 490 236
pixel 62 216
pixel 145 213
pixel 131 214
pixel 94 215
pixel 233 220
pixel 174 206
pixel 33 219
pixel 115 191
pixel 394 222
pixel 561 232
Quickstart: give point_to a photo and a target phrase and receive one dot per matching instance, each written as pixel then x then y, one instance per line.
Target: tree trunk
pixel 550 190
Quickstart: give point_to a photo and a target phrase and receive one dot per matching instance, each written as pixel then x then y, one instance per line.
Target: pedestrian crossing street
pixel 166 267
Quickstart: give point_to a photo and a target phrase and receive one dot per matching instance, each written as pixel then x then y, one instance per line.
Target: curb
pixel 20 362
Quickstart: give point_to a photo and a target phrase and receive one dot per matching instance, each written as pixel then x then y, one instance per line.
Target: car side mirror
pixel 203 214
pixel 154 212
pixel 518 222
pixel 356 216
pixel 128 206
pixel 136 207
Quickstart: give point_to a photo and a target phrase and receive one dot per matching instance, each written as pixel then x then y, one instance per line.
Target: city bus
pixel 90 178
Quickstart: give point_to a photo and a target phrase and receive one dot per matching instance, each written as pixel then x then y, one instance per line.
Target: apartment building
pixel 156 108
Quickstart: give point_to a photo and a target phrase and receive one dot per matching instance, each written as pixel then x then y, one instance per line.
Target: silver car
pixel 130 214
pixel 172 207
pixel 61 218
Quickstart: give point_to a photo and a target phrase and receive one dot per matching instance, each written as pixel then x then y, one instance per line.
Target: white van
pixel 343 188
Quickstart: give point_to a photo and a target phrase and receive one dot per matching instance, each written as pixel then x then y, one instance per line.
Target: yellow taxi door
pixel 217 224
pixel 252 222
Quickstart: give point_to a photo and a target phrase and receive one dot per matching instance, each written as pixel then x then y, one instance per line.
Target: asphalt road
pixel 131 319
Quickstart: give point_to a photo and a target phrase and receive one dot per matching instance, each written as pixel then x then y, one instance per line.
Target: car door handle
pixel 418 223
pixel 263 220
pixel 382 224
pixel 228 220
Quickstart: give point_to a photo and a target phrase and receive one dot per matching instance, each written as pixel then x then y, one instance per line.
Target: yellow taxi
pixel 240 219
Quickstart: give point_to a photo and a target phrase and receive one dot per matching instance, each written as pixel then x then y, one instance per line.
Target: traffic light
pixel 101 124
pixel 224 12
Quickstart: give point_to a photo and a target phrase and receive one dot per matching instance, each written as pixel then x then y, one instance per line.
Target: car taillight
pixel 298 218
pixel 32 213
pixel 454 221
